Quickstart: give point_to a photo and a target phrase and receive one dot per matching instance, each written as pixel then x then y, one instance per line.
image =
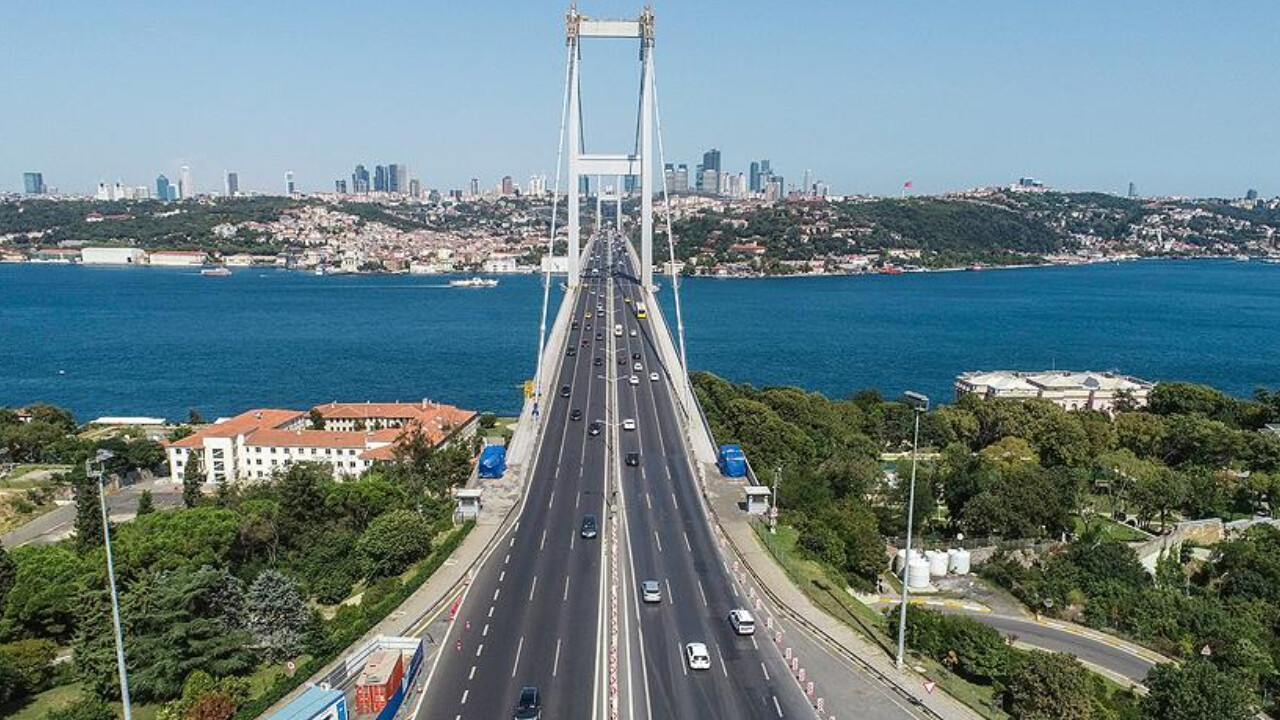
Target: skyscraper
pixel 682 179
pixel 340 187
pixel 397 178
pixel 231 184
pixel 360 180
pixel 1251 194
pixel 807 188
pixel 1133 190
pixel 475 187
pixel 186 190
pixel 33 183
pixel 288 182
pixel 508 185
pixel 753 179
pixel 380 178
pixel 162 187
pixel 415 188
pixel 711 160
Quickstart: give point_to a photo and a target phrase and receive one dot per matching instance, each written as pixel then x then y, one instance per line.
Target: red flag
pixel 907 184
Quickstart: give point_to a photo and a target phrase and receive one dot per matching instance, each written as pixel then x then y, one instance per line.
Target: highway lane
pixel 531 614
pixel 670 541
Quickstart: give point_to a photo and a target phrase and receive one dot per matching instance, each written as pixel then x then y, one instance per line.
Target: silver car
pixel 651 591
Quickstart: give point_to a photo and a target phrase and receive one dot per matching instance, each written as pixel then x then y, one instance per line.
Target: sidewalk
pixel 838 639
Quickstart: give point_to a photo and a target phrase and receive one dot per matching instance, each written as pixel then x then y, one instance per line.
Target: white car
pixel 633 332
pixel 652 591
pixel 742 622
pixel 698 657
pixel 633 380
pixel 637 367
pixel 653 377
pixel 628 424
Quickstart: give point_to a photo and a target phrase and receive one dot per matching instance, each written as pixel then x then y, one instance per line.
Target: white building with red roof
pixel 255 444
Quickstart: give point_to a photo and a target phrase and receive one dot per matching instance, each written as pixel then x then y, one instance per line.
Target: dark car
pixel 564 391
pixel 594 428
pixel 529 706
pixel 575 414
pixel 571 351
pixel 633 459
pixel 598 361
pixel 589 527
pixel 587 327
pixel 622 359
pixel 574 325
pixel 635 356
pixel 599 336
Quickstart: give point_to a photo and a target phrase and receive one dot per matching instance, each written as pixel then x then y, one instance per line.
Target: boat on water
pixel 474 282
pixel 215 272
pixel 890 270
pixel 1241 258
pixel 974 267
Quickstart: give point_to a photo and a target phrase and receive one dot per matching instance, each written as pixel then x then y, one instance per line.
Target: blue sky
pixel 1179 97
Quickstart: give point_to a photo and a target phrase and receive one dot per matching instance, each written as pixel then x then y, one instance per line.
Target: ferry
pixel 474 282
pixel 890 270
pixel 215 272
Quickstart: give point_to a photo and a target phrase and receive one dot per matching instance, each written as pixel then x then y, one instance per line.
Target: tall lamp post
pixel 920 404
pixel 98 461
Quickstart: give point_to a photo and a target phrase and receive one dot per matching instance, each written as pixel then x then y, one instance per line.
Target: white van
pixel 617 330
pixel 742 622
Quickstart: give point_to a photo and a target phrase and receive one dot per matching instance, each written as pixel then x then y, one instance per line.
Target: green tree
pixel 41 602
pixel 392 542
pixel 32 663
pixel 53 415
pixel 302 490
pixel 1047 686
pixel 192 478
pixel 1194 691
pixel 316 418
pixel 276 615
pixel 88 523
pixel 1141 433
pixel 194 417
pixel 146 504
pixel 8 569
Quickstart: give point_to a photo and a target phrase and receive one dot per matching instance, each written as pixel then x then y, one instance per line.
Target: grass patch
pixel 41 704
pixel 1109 529
pixel 14 478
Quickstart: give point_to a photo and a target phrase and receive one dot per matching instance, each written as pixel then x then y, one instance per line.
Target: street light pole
pixel 99 460
pixel 920 404
pixel 773 505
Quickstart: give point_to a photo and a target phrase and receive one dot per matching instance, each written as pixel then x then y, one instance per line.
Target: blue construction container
pixel 493 461
pixel 732 461
pixel 315 704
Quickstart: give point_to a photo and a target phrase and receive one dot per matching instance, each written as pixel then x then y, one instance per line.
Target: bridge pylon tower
pixel 637 162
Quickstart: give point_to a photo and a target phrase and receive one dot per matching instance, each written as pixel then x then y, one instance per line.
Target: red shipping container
pixel 379 680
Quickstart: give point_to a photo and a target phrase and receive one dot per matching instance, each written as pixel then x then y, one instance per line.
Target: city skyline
pixel 949 98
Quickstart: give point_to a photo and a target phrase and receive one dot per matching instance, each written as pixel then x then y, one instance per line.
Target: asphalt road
pixel 531 614
pixel 1116 660
pixel 58 523
pixel 670 541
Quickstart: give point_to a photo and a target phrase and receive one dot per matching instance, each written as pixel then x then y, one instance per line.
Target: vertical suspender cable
pixel 551 238
pixel 671 242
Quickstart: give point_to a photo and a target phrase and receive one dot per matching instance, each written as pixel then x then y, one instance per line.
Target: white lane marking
pixel 577 499
pixel 723 668
pixel 543 543
pixel 552 499
pixel 657 540
pixel 465 693
pixel 479 649
pixel 764 670
pixel 555 666
pixel 776 706
pixel 485 632
pixel 507 559
pixel 502 576
pixel 753 642
pixel 490 611
pixel 687 546
pixel 533 588
pixel 472 675
pixel 571 538
pixel 565 596
pixel 516 664
pixel 495 593
pixel 703 593
pixel 513 541
pixel 670 599
pixel 684 665
pixel 647 501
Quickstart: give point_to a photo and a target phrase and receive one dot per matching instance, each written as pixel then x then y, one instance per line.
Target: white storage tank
pixel 900 560
pixel 937 563
pixel 960 561
pixel 918 573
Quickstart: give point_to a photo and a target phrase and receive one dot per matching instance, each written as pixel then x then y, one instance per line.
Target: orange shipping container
pixel 378 681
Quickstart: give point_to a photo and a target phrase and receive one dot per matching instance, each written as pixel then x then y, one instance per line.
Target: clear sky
pixel 1179 97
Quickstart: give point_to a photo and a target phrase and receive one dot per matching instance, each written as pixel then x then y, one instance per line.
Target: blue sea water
pixel 150 341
